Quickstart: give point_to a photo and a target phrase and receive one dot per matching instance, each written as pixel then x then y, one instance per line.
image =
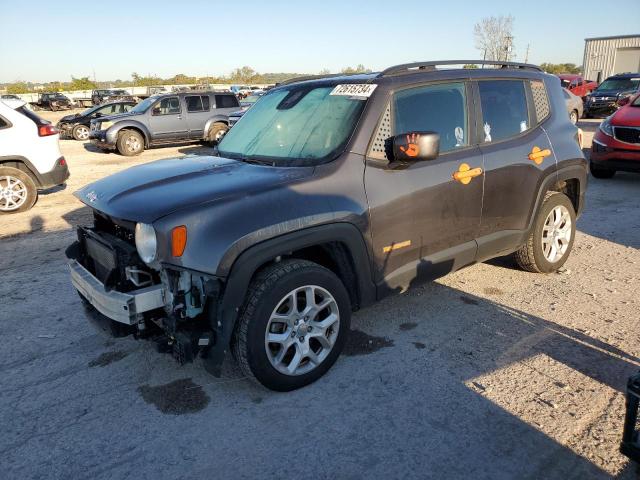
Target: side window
pixel 504 109
pixel 108 110
pixel 4 123
pixel 194 104
pixel 125 107
pixel 167 106
pixel 437 108
pixel 226 101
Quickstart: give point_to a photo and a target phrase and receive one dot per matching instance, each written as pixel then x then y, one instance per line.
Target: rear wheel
pixel 293 325
pixel 18 192
pixel 130 143
pixel 80 133
pixel 551 238
pixel 599 172
pixel 216 132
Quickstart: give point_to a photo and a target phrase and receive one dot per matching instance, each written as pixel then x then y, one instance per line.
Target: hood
pixel 68 118
pixel 148 192
pixel 609 93
pixel 627 116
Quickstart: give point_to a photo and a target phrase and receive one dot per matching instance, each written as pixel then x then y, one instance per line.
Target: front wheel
pixel 18 192
pixel 293 325
pixel 216 132
pixel 130 143
pixel 80 133
pixel 551 238
pixel 573 116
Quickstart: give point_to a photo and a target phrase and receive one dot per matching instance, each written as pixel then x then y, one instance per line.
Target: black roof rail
pixel 407 67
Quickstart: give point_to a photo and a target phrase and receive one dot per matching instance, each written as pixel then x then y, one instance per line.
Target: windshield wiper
pixel 259 161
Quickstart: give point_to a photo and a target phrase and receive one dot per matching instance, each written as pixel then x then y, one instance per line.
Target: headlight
pixel 146 242
pixel 606 127
pixel 105 125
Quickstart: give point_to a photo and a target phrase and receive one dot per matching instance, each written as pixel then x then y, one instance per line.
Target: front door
pixel 424 222
pixel 166 121
pixel 517 157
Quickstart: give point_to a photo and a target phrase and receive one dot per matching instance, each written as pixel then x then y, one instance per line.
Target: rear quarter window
pixel 226 101
pixel 504 109
pixel 4 123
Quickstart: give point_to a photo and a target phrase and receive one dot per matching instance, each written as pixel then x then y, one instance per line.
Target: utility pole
pixel 526 55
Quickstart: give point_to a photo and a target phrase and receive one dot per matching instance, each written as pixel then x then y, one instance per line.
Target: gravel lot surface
pixel 488 373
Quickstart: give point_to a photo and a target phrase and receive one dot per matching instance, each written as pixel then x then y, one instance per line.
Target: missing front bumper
pixel 121 307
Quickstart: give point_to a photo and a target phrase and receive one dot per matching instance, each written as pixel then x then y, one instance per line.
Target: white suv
pixel 30 158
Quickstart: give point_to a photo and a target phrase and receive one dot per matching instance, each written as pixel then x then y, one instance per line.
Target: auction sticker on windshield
pixel 363 90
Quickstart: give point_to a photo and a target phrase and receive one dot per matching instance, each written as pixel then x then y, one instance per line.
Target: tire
pixel 18 191
pixel 537 255
pixel 272 291
pixel 599 172
pixel 80 133
pixel 216 132
pixel 130 143
pixel 574 116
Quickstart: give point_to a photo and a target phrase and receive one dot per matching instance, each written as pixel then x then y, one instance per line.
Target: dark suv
pixel 331 193
pixel 604 99
pixel 166 119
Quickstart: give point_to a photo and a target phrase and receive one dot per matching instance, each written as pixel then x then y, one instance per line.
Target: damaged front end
pixel 122 294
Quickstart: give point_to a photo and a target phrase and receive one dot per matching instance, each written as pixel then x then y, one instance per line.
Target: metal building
pixel 605 56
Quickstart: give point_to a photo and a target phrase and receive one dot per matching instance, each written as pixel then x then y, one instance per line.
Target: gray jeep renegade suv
pixel 329 194
pixel 165 119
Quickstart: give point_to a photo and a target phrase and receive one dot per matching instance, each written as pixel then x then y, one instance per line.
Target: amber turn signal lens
pixel 178 240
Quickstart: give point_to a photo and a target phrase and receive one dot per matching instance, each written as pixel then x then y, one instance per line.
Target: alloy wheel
pixel 82 132
pixel 13 193
pixel 556 233
pixel 302 330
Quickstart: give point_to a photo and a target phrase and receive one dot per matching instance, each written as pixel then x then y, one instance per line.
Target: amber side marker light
pixel 178 240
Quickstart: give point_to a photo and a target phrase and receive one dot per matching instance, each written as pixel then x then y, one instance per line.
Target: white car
pixel 30 158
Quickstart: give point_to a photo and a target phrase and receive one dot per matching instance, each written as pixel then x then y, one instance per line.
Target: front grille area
pixel 627 134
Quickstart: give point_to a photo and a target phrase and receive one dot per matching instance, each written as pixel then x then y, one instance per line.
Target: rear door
pixel 166 120
pixel 198 112
pixel 517 157
pixel 423 222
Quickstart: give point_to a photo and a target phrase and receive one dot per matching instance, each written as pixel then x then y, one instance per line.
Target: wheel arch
pixel 215 119
pixel 340 247
pixel 139 127
pixel 22 164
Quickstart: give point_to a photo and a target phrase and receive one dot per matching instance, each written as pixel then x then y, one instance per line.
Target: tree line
pixel 242 75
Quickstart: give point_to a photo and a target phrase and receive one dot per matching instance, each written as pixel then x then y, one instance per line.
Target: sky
pixel 47 41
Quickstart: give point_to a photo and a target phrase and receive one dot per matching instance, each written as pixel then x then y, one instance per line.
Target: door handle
pixel 538 155
pixel 465 173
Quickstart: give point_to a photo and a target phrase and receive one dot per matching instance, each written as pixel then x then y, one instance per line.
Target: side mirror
pixel 416 146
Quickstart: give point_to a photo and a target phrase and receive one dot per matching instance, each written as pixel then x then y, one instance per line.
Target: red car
pixel 616 144
pixel 576 84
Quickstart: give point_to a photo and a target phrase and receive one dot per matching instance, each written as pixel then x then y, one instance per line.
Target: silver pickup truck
pixel 166 119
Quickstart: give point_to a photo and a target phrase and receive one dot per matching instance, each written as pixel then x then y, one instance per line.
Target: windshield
pixel 620 84
pixel 144 105
pixel 294 126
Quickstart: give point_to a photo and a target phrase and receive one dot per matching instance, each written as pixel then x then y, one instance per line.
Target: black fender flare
pixel 577 169
pixel 252 258
pixel 28 167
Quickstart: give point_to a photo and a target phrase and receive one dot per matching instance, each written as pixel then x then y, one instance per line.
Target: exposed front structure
pixel 605 56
